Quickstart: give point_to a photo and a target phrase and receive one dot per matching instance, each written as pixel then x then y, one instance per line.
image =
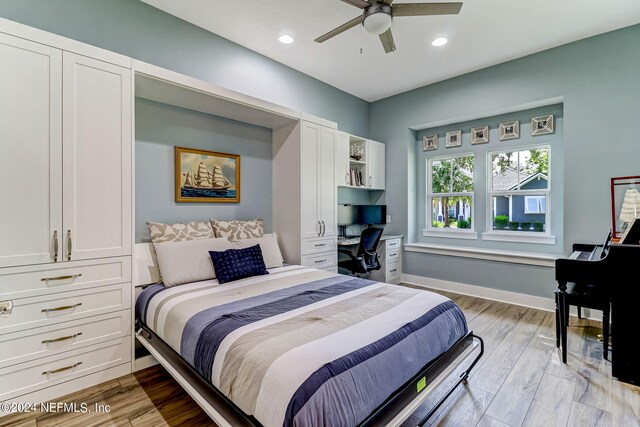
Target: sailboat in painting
pixel 204 178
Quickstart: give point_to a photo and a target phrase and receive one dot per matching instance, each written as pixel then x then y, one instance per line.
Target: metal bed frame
pixel 411 395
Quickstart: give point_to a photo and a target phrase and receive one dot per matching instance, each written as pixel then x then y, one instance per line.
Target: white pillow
pixel 188 261
pixel 268 245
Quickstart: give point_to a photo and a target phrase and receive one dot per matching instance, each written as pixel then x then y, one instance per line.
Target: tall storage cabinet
pixel 375 165
pixel 304 189
pixel 65 204
pixel 30 151
pixel 97 158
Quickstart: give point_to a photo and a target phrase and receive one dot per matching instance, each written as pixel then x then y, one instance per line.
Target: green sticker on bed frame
pixel 421 384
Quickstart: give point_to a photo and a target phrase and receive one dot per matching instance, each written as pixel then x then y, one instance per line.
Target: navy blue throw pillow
pixel 235 264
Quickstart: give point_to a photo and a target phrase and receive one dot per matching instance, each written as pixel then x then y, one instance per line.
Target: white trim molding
pixel 515 298
pixel 528 258
pixel 519 237
pixel 532 301
pixel 455 233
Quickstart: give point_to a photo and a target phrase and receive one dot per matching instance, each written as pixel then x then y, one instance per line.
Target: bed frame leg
pixel 463 379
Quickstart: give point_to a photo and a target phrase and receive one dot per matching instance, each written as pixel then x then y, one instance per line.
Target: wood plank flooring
pixel 519 382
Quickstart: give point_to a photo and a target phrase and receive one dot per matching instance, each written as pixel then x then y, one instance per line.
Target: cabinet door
pixel 327 184
pixel 30 151
pixel 342 159
pixel 97 158
pixel 309 170
pixel 375 165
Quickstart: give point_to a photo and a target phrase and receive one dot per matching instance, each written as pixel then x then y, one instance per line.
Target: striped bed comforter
pixel 300 346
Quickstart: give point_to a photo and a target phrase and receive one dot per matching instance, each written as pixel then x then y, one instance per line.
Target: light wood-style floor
pixel 519 382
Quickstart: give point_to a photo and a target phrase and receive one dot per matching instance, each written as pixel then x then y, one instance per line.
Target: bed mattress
pixel 301 346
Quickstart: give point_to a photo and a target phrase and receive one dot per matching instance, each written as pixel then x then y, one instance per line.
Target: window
pixel 450 193
pixel 519 188
pixel 534 204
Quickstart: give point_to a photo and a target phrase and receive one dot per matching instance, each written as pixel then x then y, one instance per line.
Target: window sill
pixel 520 237
pixel 528 258
pixel 450 233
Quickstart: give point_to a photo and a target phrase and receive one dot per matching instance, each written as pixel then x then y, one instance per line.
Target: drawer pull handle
pixel 6 307
pixel 62 338
pixel 393 254
pixel 64 307
pixel 70 276
pixel 393 271
pixel 319 245
pixel 320 260
pixel 66 368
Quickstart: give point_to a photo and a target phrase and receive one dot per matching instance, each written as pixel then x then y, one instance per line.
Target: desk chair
pixel 366 259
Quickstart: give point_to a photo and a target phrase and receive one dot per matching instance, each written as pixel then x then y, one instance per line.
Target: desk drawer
pixel 314 246
pixel 36 343
pixel 392 254
pixel 38 374
pixel 46 310
pixel 321 261
pixel 393 244
pixel 393 270
pixel 23 282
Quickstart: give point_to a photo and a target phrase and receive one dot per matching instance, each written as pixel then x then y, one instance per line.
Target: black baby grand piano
pixel 613 270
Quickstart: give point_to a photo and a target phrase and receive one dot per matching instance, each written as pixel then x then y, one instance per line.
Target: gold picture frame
pixel 206 176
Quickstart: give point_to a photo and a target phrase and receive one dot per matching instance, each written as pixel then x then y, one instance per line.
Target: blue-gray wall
pixel 598 78
pixel 159 128
pixel 135 29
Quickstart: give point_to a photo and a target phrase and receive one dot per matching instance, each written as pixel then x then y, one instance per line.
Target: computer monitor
pixel 372 214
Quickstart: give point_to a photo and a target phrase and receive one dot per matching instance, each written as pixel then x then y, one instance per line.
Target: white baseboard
pixel 516 298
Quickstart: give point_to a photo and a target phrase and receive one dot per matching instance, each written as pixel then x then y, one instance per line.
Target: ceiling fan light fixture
pixel 285 39
pixel 377 19
pixel 440 41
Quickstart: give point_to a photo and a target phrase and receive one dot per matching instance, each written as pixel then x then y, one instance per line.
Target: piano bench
pixel 586 296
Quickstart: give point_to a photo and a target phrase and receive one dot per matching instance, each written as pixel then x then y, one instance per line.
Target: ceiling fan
pixel 377 16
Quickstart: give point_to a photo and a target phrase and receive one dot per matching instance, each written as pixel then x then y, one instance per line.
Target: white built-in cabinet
pixel 65 210
pixel 97 158
pixel 318 199
pixel 359 163
pixel 30 151
pixel 375 165
pixel 305 197
pixel 65 155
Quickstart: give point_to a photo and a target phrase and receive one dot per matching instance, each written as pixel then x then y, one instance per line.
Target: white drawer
pixel 393 269
pixel 392 244
pixel 314 246
pixel 31 344
pixel 332 269
pixel 23 282
pixel 326 259
pixel 38 374
pixel 50 309
pixel 392 254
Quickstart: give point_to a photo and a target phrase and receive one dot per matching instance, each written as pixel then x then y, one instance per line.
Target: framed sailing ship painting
pixel 206 176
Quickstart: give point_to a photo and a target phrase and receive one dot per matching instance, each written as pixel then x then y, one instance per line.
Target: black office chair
pixel 366 259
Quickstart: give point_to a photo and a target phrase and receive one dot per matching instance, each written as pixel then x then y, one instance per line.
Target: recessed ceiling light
pixel 440 41
pixel 285 39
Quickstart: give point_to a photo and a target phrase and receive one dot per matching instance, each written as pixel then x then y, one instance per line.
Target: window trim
pixel 518 236
pixel 455 233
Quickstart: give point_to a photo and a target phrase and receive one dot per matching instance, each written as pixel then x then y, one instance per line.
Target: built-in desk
pixel 390 251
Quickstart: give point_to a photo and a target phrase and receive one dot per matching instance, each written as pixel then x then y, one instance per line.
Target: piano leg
pixel 605 332
pixel 557 323
pixel 579 312
pixel 564 315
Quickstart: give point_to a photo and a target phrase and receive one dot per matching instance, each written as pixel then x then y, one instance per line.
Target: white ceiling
pixel 485 33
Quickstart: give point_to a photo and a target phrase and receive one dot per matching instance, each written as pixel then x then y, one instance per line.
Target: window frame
pixel 518 236
pixel 541 209
pixel 430 230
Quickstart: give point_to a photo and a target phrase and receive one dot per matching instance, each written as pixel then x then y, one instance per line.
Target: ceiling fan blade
pixel 342 28
pixel 357 3
pixel 387 41
pixel 422 9
pixel 387 1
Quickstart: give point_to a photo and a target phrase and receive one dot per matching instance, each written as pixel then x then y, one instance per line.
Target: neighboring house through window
pixel 519 188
